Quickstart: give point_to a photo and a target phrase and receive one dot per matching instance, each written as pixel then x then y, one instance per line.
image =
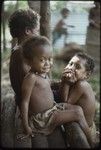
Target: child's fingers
pixel 22 136
pixel 70 75
pixel 74 79
pixel 32 134
pixel 68 71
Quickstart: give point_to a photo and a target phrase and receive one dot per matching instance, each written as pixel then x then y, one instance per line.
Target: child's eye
pixel 51 59
pixel 78 66
pixel 42 60
pixel 71 63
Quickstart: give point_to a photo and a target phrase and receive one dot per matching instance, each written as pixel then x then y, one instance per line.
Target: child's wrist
pixel 65 81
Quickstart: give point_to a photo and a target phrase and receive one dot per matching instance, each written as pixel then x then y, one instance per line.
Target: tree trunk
pixel 75 136
pixel 45 19
pixel 43 9
pixel 35 5
pixel 3 25
pixel 17 5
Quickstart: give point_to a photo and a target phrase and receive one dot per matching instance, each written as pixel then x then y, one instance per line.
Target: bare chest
pixel 42 96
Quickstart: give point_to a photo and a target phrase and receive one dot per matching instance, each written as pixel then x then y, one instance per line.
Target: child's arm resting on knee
pixel 64 91
pixel 68 78
pixel 27 87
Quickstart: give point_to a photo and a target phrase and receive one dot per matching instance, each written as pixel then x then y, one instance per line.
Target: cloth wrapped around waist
pixel 42 122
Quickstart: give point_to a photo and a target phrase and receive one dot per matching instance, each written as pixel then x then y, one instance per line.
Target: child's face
pixel 77 65
pixel 97 4
pixel 65 15
pixel 43 60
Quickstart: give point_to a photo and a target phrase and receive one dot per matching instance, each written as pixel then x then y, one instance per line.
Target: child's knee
pixel 79 112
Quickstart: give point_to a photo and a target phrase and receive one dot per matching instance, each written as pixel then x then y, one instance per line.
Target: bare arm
pixel 64 91
pixel 75 93
pixel 91 19
pixel 71 26
pixel 68 78
pixel 27 86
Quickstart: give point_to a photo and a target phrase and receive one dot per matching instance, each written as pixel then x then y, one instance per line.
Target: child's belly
pixel 40 103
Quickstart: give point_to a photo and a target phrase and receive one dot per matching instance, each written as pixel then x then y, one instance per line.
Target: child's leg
pixel 70 114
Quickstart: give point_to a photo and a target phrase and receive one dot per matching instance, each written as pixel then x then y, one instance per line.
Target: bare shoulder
pixel 29 79
pixel 59 22
pixel 16 54
pixel 16 50
pixel 84 85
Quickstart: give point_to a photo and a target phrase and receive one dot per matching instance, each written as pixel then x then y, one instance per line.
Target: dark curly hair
pixel 65 10
pixel 21 19
pixel 89 61
pixel 28 46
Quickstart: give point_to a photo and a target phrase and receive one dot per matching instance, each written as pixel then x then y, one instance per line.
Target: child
pixel 23 24
pixel 39 112
pixel 61 26
pixel 80 92
pixel 94 16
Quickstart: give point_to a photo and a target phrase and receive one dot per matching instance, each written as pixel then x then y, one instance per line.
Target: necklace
pixel 44 77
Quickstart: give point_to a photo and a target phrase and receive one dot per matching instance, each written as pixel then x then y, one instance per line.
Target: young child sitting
pixel 39 112
pixel 80 92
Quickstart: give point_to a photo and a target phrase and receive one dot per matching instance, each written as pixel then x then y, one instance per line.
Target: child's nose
pixel 47 62
pixel 66 67
pixel 71 67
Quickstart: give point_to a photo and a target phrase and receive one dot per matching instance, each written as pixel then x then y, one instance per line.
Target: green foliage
pixel 95 83
pixel 23 4
pixel 11 6
pixel 5 55
pixel 58 5
pixel 95 80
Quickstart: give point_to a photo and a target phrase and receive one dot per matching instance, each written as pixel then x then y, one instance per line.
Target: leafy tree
pixel 58 5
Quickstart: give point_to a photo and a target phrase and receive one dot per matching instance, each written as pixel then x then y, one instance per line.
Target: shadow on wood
pixel 75 136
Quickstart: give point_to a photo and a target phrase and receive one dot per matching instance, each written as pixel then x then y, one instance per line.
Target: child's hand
pixel 69 75
pixel 25 135
pixel 28 131
pixel 71 26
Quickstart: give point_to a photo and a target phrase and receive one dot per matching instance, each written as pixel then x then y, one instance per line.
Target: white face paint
pixel 77 65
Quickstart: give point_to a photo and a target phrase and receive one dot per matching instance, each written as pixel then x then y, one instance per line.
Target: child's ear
pixel 88 73
pixel 27 31
pixel 26 61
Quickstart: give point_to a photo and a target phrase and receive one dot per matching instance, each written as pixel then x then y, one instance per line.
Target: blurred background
pixel 80 34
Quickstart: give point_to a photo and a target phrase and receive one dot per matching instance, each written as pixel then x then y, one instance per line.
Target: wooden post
pixel 35 5
pixel 45 19
pixel 3 27
pixel 75 136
